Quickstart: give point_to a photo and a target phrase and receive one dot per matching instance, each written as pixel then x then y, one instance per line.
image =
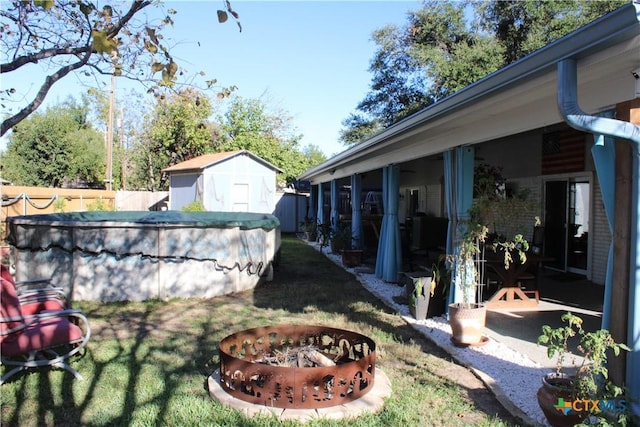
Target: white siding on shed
pixel 183 190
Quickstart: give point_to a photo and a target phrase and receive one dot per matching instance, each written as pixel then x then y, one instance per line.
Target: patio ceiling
pixel 514 99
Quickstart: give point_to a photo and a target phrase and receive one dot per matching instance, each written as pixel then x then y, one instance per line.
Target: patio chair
pixel 36 299
pixel 47 338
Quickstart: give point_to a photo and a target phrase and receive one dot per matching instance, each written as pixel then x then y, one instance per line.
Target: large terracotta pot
pixel 467 323
pixel 555 387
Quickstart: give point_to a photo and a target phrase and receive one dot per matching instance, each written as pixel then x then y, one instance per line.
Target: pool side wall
pixel 125 261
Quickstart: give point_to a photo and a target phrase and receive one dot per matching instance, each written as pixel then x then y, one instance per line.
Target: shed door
pixel 240 198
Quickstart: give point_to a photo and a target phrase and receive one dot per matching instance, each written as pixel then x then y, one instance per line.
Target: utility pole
pixel 123 161
pixel 112 97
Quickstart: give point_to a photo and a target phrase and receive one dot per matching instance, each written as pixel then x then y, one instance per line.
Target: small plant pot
pixel 351 257
pixel 556 387
pixel 467 323
pixel 420 306
pixel 418 292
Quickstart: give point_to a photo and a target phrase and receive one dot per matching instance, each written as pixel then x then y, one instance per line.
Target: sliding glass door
pixel 567 218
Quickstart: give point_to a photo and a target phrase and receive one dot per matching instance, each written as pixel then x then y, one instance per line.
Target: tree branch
pixel 42 93
pixel 136 6
pixel 43 54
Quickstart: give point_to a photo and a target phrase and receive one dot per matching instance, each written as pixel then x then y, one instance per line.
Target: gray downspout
pixel 576 118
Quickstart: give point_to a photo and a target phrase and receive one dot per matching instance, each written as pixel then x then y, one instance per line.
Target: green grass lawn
pixel 147 363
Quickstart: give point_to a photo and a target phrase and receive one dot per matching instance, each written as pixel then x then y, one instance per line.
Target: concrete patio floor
pixel 519 328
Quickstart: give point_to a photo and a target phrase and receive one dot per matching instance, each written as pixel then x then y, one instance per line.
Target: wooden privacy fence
pixel 21 200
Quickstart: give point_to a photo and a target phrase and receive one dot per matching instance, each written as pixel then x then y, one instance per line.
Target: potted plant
pixel 351 257
pixel 567 399
pixel 467 318
pixel 343 242
pixel 514 250
pixel 419 292
pixel 427 291
pixel 310 229
pixel 340 238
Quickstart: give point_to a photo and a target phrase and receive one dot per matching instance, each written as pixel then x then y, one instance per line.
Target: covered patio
pixel 525 120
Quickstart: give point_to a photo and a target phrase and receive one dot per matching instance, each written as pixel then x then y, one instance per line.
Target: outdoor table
pixel 510 295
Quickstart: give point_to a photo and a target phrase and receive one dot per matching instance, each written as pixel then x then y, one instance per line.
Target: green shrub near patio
pixel 147 362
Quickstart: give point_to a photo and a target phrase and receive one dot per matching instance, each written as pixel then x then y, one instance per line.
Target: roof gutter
pixel 576 118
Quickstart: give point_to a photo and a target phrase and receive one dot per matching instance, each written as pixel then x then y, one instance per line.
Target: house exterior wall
pixel 520 157
pixel 524 220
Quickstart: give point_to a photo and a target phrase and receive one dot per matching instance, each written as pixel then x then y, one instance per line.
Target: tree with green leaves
pixel 440 51
pixel 64 36
pixel 435 54
pixel 50 148
pixel 178 129
pixel 248 124
pixel 523 26
pixel 313 155
pixel 358 127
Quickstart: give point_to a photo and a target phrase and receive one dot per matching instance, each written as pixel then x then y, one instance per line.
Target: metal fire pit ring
pixel 243 377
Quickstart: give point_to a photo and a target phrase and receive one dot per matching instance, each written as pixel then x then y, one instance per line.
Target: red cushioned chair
pixel 33 297
pixel 47 338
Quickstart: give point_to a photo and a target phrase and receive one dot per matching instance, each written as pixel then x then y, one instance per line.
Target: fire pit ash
pixel 297 366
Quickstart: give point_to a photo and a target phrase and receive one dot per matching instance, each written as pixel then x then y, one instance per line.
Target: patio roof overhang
pixel 514 99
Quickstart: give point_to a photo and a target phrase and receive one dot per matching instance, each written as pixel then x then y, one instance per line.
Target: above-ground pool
pixel 117 256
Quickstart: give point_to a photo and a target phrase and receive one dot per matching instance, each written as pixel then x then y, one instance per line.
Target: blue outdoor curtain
pixel 335 201
pixel 604 158
pixel 459 167
pixel 389 257
pixel 383 229
pixel 320 215
pixel 356 214
pixel 450 203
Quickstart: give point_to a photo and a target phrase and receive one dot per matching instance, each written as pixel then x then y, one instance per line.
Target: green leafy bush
pixel 196 206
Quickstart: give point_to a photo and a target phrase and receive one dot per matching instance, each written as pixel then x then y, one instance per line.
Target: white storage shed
pixel 232 181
